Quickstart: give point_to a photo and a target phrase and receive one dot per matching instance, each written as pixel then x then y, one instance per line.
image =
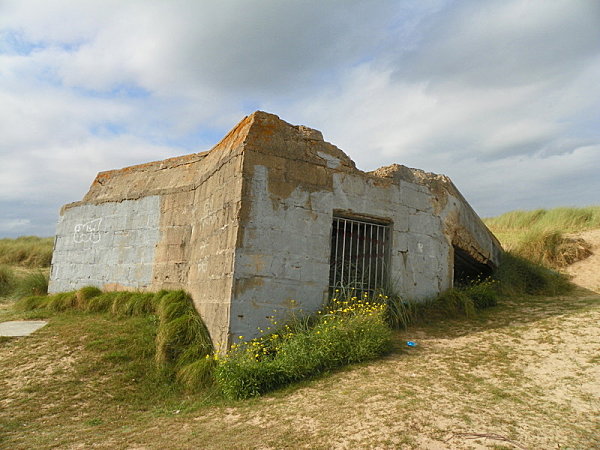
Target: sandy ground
pixel 524 376
pixel 586 273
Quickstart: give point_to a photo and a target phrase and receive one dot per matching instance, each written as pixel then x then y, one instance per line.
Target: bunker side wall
pixel 282 263
pixel 198 235
pixel 109 245
pixel 466 230
pixel 182 238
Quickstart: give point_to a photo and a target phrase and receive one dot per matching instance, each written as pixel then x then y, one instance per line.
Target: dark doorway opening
pixel 467 269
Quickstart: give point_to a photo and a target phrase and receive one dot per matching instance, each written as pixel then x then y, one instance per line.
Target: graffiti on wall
pixel 87 232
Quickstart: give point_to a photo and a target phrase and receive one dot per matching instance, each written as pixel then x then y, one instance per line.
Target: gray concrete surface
pixel 110 243
pixel 20 327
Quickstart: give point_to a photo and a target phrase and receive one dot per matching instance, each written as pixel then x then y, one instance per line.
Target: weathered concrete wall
pixel 196 202
pixel 199 232
pixel 294 183
pixel 108 245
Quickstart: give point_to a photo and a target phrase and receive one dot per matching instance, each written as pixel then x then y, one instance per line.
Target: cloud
pixel 12 225
pixel 500 95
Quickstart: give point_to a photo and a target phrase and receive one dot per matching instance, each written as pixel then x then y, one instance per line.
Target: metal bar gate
pixel 359 255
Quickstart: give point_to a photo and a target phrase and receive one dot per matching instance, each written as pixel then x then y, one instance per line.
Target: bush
pixel 347 332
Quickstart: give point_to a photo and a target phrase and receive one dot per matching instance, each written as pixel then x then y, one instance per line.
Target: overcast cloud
pixel 502 96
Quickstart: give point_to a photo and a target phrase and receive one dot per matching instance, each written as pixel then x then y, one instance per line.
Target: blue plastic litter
pixel 411 343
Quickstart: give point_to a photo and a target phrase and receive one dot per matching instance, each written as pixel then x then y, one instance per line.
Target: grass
pixel 348 331
pixel 540 235
pixel 182 341
pixel 8 281
pixel 565 219
pixel 17 282
pixel 35 283
pixel 85 379
pixel 26 251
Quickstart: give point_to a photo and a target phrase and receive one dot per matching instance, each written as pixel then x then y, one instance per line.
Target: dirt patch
pixel 586 273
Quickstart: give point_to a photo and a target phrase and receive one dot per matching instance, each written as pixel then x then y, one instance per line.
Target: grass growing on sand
pixel 182 340
pixel 541 235
pixel 26 251
pixel 558 219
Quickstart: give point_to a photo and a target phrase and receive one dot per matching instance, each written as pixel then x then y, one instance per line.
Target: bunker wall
pixel 199 233
pixel 108 245
pixel 282 263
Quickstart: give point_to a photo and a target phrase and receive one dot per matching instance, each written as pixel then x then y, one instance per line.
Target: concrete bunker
pixel 271 218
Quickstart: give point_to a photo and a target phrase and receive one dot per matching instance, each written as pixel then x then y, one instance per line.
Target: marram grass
pixel 8 280
pixel 35 283
pixel 558 219
pixel 540 235
pixel 348 330
pixel 26 251
pixel 183 346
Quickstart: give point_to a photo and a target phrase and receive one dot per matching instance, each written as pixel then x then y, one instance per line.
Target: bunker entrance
pixel 359 255
pixel 467 269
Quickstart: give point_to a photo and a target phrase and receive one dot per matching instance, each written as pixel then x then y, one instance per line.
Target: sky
pixel 503 96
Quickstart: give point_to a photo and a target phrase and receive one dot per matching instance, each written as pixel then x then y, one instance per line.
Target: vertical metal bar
pixel 370 252
pixel 362 267
pixel 357 253
pixel 343 255
pixel 335 229
pixel 383 231
pixel 350 256
pixel 376 256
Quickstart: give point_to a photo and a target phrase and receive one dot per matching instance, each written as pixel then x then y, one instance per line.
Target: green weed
pixel 348 331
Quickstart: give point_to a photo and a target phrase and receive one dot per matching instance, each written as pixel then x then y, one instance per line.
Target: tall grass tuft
pixel 85 294
pixel 539 235
pixel 517 275
pixel 26 251
pixel 33 284
pixel 8 281
pixel 551 248
pixel 30 303
pixel 182 336
pixel 400 313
